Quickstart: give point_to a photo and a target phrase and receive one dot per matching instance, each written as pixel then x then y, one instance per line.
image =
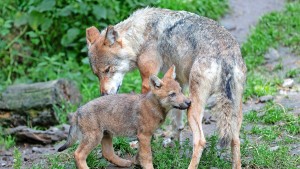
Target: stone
pixel 3 164
pixel 274 148
pixel 288 83
pixel 36 149
pixel 266 98
pixel 272 55
pixel 26 159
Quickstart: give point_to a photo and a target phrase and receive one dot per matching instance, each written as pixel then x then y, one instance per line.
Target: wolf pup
pixel 207 58
pixel 125 115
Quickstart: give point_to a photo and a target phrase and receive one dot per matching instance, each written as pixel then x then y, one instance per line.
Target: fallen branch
pixel 25 134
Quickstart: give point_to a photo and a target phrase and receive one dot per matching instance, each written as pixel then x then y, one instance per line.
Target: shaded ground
pixel 243 16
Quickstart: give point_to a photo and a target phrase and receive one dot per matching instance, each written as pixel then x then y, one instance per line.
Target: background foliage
pixel 45 39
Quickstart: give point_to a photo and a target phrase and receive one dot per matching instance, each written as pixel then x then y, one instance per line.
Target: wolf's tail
pixel 72 137
pixel 226 114
pixel 223 112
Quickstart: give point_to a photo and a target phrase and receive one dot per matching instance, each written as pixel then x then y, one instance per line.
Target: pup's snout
pixel 188 102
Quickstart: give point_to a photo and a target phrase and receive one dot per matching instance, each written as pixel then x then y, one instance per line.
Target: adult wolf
pixel 207 58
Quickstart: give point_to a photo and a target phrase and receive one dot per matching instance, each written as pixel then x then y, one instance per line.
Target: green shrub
pixel 45 39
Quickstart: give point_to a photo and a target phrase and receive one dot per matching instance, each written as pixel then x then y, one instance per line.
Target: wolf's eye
pixel 172 95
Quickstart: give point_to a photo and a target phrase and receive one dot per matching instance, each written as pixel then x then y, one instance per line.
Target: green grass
pixel 17 159
pixel 261 156
pixel 177 156
pixel 6 141
pixel 273 30
pixel 266 132
pixel 279 119
pixel 63 110
pixel 292 73
pixel 260 85
pixel 273 126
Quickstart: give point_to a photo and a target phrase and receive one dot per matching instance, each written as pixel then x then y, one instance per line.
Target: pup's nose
pixel 188 102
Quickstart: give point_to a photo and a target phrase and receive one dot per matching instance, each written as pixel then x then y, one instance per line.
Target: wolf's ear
pixel 111 36
pixel 92 34
pixel 171 73
pixel 155 82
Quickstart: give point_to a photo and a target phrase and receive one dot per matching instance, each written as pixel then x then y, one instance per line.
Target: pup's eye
pixel 107 70
pixel 172 95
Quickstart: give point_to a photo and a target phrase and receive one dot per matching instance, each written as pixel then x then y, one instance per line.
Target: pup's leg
pixel 109 154
pixel 87 144
pixel 145 154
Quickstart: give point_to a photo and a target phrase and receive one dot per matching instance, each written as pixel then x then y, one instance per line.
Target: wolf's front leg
pixel 145 154
pixel 148 65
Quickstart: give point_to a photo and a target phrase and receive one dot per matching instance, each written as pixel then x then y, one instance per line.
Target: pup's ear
pixel 155 82
pixel 171 73
pixel 111 36
pixel 92 34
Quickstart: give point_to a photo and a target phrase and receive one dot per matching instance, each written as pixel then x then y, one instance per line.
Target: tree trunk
pixel 34 103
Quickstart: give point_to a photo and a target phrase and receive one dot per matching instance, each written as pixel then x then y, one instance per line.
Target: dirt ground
pixel 244 14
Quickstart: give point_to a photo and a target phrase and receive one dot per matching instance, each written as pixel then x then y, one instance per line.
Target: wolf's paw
pixel 127 163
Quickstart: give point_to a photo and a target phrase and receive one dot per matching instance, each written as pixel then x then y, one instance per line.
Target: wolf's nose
pixel 188 102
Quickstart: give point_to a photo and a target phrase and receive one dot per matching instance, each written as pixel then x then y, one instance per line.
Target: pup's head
pixel 168 91
pixel 109 58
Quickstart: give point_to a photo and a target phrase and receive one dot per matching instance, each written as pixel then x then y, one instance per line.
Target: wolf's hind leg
pixel 235 142
pixel 109 154
pixel 87 144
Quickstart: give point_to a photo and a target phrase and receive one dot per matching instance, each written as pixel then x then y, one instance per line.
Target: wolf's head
pixel 109 58
pixel 168 91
